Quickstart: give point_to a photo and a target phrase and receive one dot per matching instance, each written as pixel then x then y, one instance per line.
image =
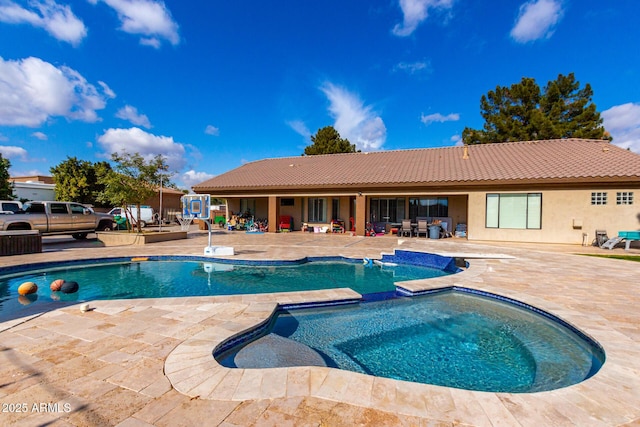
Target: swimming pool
pixel 451 338
pixel 159 277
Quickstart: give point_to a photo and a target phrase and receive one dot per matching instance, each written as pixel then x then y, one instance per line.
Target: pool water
pixel 451 338
pixel 163 278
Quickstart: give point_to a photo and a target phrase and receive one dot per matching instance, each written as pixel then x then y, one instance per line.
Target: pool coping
pixel 602 306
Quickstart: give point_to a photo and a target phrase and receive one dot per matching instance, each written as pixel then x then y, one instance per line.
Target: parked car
pixel 10 206
pixel 147 215
pixel 57 218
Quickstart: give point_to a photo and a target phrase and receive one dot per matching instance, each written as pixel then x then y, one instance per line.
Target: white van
pixel 10 206
pixel 147 215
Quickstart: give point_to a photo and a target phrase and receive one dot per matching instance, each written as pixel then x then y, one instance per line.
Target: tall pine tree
pixel 523 112
pixel 328 141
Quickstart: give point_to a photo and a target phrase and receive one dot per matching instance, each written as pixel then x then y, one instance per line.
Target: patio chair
pixel 285 223
pixel 422 228
pixel 406 228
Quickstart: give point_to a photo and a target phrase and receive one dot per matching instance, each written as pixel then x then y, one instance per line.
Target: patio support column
pixel 273 214
pixel 361 214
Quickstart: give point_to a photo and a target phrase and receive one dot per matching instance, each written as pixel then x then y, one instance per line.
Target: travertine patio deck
pixel 148 362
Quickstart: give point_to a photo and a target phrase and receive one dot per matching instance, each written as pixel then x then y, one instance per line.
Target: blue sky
pixel 214 84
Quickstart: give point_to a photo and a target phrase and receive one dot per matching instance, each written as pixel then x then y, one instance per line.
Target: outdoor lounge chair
pixel 422 228
pixel 285 223
pixel 623 236
pixel 406 228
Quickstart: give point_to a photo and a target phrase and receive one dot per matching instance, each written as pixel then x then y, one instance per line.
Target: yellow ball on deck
pixel 27 288
pixel 57 284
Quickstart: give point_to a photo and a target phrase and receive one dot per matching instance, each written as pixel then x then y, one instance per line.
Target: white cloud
pixel 623 123
pixel 33 90
pixel 107 90
pixel 131 114
pixel 537 20
pixel 212 130
pixel 135 140
pixel 353 120
pixel 39 135
pixel 147 18
pixel 300 128
pixel 416 11
pixel 150 41
pixel 457 140
pixel 437 117
pixel 413 67
pixel 191 177
pixel 12 152
pixel 57 20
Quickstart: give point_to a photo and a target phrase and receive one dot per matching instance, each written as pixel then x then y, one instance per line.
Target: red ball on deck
pixel 56 285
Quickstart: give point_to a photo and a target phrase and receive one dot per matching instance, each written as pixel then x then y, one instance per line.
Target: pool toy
pixel 56 285
pixel 27 288
pixel 69 287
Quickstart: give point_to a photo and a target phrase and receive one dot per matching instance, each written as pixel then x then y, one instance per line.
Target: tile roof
pixel 549 161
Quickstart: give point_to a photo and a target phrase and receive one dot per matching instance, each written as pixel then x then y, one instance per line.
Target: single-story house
pixel 556 191
pixel 35 187
pixel 40 187
pixel 171 202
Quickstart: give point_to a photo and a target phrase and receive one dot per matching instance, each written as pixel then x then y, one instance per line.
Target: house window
pixel 428 206
pixel 317 209
pixel 386 210
pixel 599 198
pixel 287 202
pixel 624 198
pixel 514 211
pixel 335 209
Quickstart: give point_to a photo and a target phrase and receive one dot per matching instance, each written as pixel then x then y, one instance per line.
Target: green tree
pixel 328 141
pixel 6 188
pixel 79 180
pixel 133 180
pixel 524 112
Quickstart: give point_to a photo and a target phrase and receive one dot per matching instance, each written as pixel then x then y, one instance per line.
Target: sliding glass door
pixel 386 209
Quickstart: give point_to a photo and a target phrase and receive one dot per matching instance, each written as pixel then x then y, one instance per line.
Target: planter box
pixel 116 238
pixel 20 242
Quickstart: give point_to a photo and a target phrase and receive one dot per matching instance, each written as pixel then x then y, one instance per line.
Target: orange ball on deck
pixel 57 284
pixel 27 288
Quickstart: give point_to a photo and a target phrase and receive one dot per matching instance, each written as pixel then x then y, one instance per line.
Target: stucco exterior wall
pixel 566 215
pixel 458 209
pixel 262 208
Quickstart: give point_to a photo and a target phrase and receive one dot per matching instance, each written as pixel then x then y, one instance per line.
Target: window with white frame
pixel 317 209
pixel 599 198
pixel 624 198
pixel 522 210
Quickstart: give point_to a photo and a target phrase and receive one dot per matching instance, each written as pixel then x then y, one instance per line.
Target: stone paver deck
pixel 148 361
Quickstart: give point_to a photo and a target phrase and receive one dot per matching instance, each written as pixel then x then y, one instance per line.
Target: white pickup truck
pixel 57 218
